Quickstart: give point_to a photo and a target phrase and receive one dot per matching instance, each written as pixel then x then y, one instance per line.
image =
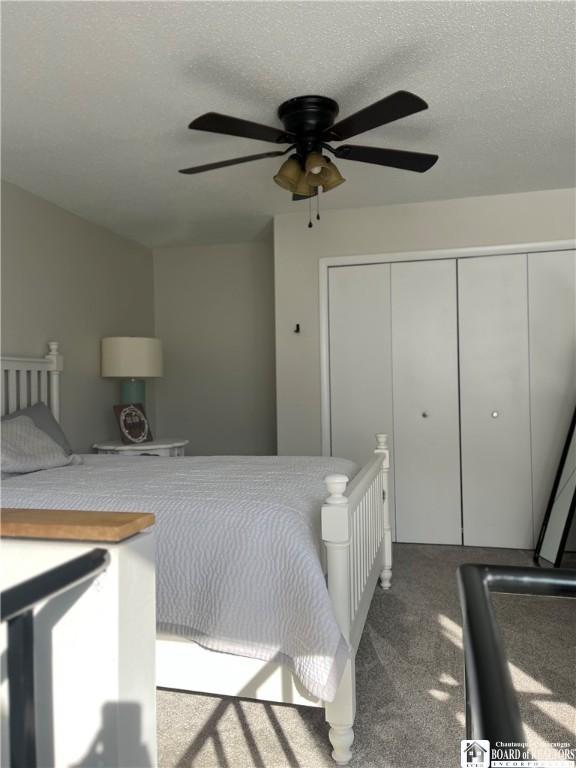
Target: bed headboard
pixel 30 380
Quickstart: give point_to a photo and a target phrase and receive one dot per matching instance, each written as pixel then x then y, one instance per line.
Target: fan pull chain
pixel 310 225
pixel 317 204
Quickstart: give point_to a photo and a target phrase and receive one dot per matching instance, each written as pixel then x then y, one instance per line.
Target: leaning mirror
pixel 561 505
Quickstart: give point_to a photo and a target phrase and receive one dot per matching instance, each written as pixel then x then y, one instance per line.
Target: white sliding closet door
pixel 495 409
pixel 425 389
pixel 360 375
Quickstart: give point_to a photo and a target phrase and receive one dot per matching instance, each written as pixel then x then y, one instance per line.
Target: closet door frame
pixel 382 258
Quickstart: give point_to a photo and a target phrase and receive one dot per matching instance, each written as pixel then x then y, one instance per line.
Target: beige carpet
pixel 409 681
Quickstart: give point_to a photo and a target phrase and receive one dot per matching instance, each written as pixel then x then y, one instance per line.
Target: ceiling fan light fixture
pixel 289 174
pixel 308 127
pixel 334 178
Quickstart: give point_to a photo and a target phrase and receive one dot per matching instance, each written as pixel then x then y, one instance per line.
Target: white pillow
pixel 25 448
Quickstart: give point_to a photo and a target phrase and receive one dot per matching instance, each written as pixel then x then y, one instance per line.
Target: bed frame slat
pixel 12 391
pixel 33 387
pixel 23 389
pixel 44 387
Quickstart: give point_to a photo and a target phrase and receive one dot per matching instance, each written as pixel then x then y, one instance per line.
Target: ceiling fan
pixel 308 127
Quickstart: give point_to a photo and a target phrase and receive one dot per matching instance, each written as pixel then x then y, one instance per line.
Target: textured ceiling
pixel 97 97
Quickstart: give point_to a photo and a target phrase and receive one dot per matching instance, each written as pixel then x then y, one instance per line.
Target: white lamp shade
pixel 131 357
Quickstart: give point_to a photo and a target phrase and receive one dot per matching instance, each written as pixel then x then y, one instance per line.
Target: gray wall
pixel 71 281
pixel 214 310
pixel 493 220
pixel 67 279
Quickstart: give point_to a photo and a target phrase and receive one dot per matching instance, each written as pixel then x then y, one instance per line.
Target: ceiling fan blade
pixel 234 161
pixel 394 158
pixel 393 107
pixel 213 122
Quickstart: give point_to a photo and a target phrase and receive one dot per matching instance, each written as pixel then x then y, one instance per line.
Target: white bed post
pixel 386 573
pixel 54 373
pixel 341 712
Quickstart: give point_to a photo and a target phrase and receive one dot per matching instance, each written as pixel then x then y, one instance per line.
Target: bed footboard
pixel 357 535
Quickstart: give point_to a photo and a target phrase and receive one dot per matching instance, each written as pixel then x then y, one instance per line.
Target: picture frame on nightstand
pixel 133 424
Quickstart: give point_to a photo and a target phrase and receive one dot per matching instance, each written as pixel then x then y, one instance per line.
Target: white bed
pixel 242 542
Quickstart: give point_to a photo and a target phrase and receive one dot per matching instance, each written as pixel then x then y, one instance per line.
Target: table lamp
pixel 131 358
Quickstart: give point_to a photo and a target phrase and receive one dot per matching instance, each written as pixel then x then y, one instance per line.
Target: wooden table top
pixel 72 524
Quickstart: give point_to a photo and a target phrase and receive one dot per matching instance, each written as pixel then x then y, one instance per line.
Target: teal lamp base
pixel 132 391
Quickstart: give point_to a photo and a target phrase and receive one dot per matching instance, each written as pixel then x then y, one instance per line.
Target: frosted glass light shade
pixel 315 162
pixel 131 357
pixel 288 174
pixel 334 178
pixel 303 189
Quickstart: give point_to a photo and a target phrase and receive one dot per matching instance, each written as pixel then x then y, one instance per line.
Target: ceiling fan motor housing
pixel 306 118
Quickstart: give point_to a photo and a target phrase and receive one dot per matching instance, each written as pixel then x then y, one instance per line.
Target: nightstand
pixel 168 447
